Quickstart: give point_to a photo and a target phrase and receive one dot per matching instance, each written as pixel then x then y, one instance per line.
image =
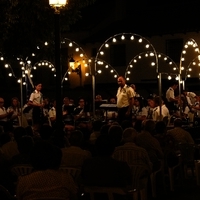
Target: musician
pixel 139 111
pixel 36 101
pixel 170 96
pixel 67 109
pixel 191 97
pixel 81 112
pixel 111 114
pixel 15 107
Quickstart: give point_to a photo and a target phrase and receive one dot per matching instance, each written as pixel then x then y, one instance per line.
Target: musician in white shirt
pixel 157 115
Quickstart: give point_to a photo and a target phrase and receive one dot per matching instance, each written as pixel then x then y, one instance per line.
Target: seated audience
pixel 146 140
pixel 46 181
pixel 74 155
pixel 103 170
pixel 179 134
pixel 136 155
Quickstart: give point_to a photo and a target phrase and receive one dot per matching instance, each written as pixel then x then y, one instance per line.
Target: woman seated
pixel 139 111
pixel 183 110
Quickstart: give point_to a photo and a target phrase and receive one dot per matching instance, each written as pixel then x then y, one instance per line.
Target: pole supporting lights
pixel 58 5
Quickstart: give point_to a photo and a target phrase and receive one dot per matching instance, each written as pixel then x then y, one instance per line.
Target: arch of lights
pixel 100 64
pixel 121 38
pixel 194 63
pixel 183 67
pixel 173 69
pixel 131 37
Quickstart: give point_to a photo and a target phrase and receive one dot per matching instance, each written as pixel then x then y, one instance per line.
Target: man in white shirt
pixel 125 100
pixel 190 96
pixel 170 96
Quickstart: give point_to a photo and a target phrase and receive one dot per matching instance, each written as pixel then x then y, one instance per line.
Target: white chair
pixel 20 170
pixel 153 177
pixel 139 182
pixel 74 172
pixel 110 191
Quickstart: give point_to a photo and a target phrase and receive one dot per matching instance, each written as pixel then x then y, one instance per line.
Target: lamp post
pixel 57 5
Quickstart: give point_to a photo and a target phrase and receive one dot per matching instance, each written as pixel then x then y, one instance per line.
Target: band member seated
pixel 52 118
pixel 81 113
pixel 68 109
pixel 139 111
pixel 111 113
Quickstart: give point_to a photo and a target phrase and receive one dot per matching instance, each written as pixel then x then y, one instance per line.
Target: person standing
pixel 36 101
pixel 170 96
pixel 125 100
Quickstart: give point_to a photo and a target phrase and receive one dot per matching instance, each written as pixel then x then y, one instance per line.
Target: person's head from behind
pixel 103 146
pixel 148 125
pixel 46 131
pixel 126 124
pixel 25 144
pixel 115 134
pixel 160 127
pixel 129 135
pixel 19 132
pixel 96 125
pixel 104 129
pixel 45 156
pixel 177 122
pixel 76 138
pixel 157 101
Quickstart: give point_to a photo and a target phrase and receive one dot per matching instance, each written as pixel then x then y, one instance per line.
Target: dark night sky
pixel 144 17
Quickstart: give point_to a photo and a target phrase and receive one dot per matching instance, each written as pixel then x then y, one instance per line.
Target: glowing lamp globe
pixel 57 3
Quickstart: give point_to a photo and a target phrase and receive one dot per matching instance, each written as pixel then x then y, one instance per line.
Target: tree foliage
pixel 24 25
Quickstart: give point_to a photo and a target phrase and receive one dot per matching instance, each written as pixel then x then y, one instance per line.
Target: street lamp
pixel 57 5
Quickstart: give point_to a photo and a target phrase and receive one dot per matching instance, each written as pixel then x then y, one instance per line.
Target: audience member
pixel 115 134
pixel 179 134
pixel 46 181
pixel 96 127
pixel 74 155
pixel 130 152
pixel 146 140
pixel 25 145
pixel 103 170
